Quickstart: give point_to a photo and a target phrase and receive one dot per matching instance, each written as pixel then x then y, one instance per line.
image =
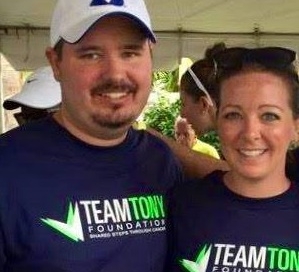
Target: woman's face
pixel 255 124
pixel 198 112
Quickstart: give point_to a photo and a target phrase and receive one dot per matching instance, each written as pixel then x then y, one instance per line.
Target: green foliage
pixel 161 116
pixel 166 80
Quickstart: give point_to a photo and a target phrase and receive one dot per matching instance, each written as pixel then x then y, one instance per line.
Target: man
pixel 83 191
pixel 40 96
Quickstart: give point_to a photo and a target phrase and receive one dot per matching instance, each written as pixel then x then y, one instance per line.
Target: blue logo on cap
pixel 107 2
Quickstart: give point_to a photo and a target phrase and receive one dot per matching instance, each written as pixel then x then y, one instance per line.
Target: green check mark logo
pixel 72 228
pixel 201 262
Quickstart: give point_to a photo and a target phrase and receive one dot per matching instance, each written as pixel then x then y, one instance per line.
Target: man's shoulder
pixel 152 141
pixel 26 134
pixel 157 151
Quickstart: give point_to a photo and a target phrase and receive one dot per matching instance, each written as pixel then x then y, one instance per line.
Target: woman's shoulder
pixel 197 187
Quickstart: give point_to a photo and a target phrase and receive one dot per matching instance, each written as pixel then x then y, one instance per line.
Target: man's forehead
pixel 118 25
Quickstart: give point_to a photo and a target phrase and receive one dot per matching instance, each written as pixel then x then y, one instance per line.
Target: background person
pixel 198 92
pixel 40 96
pixel 82 190
pixel 224 214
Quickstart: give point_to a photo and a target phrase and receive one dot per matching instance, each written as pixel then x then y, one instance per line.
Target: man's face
pixel 105 78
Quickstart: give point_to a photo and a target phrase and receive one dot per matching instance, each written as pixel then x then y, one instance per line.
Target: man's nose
pixel 114 68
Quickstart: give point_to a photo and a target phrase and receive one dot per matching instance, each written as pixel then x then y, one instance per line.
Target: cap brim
pixel 14 103
pixel 40 91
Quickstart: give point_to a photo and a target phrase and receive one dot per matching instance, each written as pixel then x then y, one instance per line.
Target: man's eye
pixel 91 56
pixel 130 54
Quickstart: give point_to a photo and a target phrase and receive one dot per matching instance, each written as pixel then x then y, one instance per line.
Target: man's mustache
pixel 114 86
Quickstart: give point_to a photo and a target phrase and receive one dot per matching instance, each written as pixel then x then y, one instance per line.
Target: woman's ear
pixel 295 140
pixel 205 103
pixel 297 130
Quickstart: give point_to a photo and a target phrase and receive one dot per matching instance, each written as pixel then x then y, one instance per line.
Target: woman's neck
pixel 256 187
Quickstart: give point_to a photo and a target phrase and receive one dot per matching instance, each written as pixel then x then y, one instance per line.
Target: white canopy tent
pixel 183 28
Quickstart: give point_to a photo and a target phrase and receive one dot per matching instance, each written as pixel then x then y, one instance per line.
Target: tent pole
pixel 180 48
pixel 257 36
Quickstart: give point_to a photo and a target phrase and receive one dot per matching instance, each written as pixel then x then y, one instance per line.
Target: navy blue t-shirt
pixel 214 229
pixel 69 206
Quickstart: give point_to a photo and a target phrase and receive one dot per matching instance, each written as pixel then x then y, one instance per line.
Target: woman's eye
pixel 269 116
pixel 232 115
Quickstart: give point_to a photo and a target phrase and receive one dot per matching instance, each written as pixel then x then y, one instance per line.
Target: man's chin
pixel 116 123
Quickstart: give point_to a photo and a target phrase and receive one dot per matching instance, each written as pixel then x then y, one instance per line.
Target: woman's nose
pixel 251 129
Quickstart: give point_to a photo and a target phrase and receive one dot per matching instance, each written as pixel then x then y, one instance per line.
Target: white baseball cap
pixel 72 18
pixel 40 91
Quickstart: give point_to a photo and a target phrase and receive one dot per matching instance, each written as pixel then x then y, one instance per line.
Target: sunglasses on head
pixel 271 57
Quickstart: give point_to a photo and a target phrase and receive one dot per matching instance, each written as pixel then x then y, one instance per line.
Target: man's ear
pixel 54 60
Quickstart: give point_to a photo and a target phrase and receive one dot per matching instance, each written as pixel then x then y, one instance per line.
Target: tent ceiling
pixel 184 28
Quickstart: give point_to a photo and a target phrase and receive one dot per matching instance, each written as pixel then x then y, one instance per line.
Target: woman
pixel 197 92
pixel 197 89
pixel 246 219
